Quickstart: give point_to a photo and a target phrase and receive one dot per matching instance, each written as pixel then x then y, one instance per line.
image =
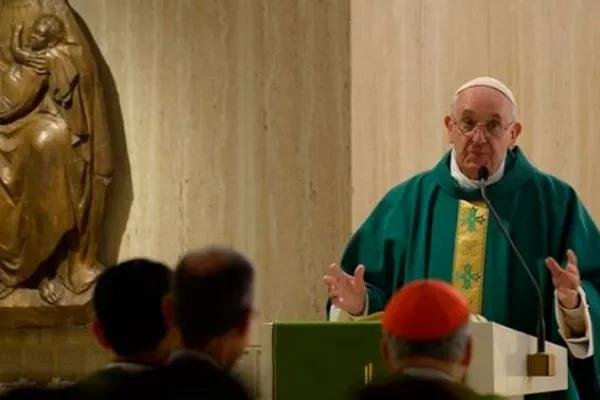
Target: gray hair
pixel 451 348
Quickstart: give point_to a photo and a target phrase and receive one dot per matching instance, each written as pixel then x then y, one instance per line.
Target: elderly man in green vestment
pixel 436 225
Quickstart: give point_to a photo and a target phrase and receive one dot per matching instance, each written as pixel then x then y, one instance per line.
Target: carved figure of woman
pixel 54 159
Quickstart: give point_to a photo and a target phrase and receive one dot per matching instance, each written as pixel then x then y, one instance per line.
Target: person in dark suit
pixel 409 388
pixel 427 344
pixel 211 306
pixel 129 322
pixel 35 393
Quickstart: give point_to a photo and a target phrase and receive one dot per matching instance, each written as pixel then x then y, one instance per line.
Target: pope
pixel 435 225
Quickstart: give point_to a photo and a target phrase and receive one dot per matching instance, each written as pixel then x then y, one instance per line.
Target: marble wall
pixel 236 130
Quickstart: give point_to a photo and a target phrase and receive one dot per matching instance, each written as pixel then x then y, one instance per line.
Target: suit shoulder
pixel 201 378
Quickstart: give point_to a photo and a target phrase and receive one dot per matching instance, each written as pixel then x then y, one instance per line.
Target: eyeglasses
pixel 493 128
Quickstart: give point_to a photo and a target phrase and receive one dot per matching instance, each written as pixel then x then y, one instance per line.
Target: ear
pixel 167 310
pixel 466 361
pixel 514 134
pixel 449 124
pixel 244 326
pixel 98 333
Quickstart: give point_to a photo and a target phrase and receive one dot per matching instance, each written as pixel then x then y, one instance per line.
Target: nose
pixel 479 135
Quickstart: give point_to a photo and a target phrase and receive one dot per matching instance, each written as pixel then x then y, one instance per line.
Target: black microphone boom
pixel 483 175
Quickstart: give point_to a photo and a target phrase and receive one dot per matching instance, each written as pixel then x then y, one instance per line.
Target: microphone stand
pixel 540 363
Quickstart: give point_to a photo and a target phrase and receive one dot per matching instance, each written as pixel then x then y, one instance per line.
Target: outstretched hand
pixel 347 292
pixel 566 280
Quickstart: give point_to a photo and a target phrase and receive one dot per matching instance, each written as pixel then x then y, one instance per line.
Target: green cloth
pixel 411 234
pixel 324 360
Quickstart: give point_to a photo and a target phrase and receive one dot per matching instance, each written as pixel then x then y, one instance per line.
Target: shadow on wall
pixel 120 192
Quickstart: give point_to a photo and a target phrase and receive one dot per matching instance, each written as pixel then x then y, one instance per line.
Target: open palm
pixel 347 292
pixel 566 280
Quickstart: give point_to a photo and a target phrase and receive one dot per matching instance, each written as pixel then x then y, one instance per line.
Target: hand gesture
pixel 566 280
pixel 347 292
pixel 17 30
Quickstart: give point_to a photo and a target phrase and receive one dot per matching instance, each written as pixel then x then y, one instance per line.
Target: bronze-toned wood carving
pixel 55 157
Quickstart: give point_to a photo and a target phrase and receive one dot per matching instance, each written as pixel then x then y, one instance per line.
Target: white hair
pixel 451 348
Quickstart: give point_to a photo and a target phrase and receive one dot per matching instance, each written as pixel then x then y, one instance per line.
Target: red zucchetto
pixel 426 309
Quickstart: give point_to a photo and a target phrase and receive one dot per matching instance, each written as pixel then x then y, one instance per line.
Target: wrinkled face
pixel 482 129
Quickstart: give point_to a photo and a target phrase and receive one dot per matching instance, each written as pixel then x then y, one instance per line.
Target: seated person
pixel 129 322
pixel 427 343
pixel 211 306
pixel 35 393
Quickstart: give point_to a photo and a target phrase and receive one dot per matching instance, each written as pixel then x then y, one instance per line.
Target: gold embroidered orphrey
pixel 469 252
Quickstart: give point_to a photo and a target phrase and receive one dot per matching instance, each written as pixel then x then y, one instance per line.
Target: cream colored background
pixel 236 130
pixel 275 125
pixel 408 56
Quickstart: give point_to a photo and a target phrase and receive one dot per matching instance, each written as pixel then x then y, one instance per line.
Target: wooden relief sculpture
pixel 55 162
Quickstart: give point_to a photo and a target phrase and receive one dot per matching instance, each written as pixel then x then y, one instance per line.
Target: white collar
pixel 429 373
pixel 464 182
pixel 128 366
pixel 191 353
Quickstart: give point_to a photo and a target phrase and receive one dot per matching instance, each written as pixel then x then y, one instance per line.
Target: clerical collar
pixel 429 373
pixel 128 366
pixel 185 353
pixel 464 182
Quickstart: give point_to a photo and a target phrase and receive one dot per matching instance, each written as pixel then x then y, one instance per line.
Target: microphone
pixel 538 364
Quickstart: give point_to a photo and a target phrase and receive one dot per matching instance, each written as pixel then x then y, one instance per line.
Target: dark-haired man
pixel 129 322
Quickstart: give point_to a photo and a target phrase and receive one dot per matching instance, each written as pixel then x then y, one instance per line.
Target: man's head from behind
pixel 482 124
pixel 211 303
pixel 426 325
pixel 128 306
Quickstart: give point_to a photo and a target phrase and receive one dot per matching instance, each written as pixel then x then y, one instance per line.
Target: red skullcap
pixel 425 310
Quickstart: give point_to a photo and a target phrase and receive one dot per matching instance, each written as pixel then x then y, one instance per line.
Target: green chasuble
pixel 428 227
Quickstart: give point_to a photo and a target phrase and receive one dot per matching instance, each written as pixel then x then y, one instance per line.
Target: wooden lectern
pixel 302 360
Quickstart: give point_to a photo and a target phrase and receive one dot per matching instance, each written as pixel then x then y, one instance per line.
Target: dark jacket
pixel 401 387
pixel 107 382
pixel 188 375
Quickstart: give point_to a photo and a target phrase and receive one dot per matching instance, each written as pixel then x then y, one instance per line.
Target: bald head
pixel 212 293
pixel 210 260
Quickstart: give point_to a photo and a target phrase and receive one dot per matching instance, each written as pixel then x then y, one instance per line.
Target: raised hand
pixel 347 292
pixel 16 49
pixel 566 280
